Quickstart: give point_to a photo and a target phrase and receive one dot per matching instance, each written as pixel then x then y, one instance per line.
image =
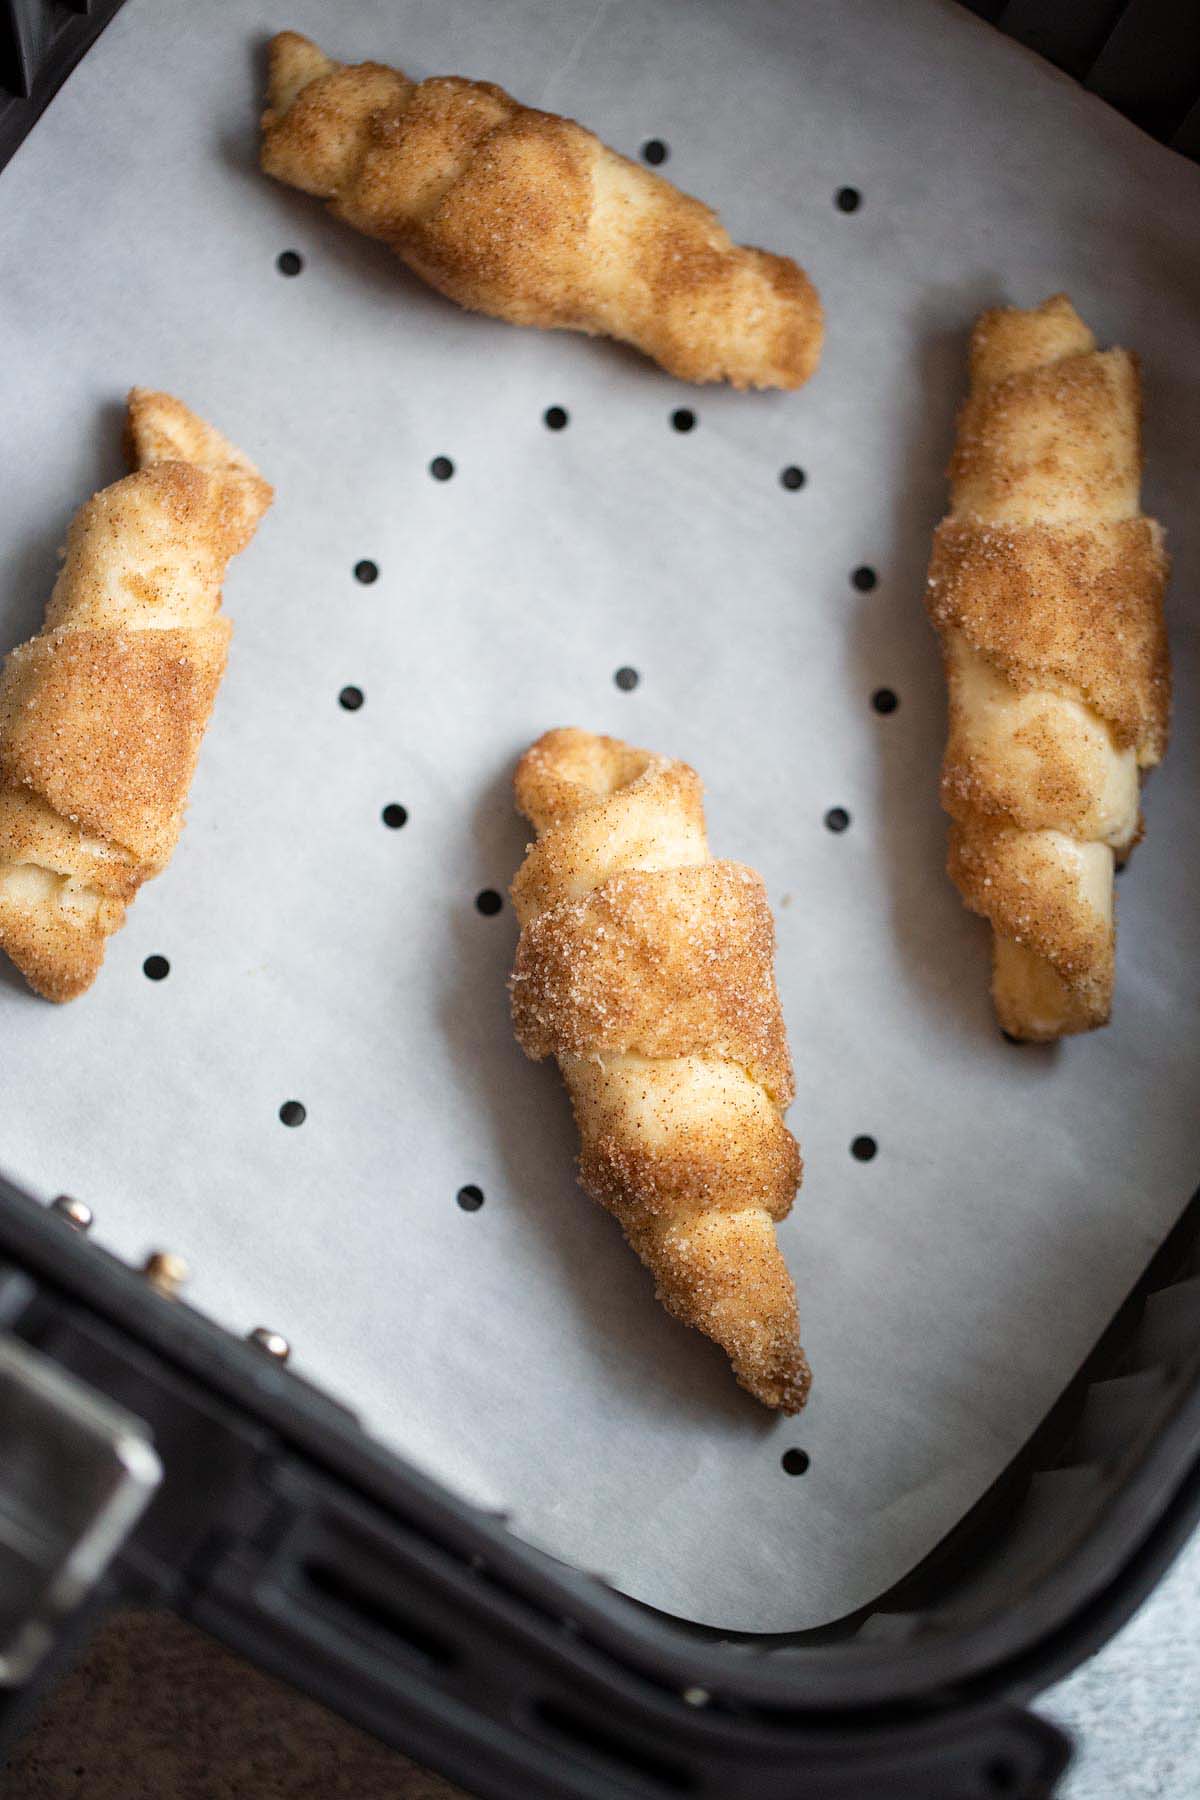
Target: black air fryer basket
pixel 148 1456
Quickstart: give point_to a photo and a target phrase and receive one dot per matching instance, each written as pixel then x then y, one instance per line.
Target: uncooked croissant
pixel 530 217
pixel 646 968
pixel 101 714
pixel 1046 586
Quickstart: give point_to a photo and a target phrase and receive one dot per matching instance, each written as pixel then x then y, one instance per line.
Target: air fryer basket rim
pixel 1149 1498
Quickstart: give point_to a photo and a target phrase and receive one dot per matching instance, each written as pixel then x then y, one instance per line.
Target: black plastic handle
pixel 436 1659
pixel 40 43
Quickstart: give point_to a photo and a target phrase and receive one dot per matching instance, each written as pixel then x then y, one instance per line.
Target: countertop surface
pixel 156 1712
pixel 1134 1710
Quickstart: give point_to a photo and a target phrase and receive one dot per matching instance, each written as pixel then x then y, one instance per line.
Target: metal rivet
pixel 271 1341
pixel 75 1212
pixel 697 1696
pixel 165 1271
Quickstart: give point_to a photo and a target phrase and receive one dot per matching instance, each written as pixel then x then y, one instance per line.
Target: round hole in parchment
pixel 289 262
pixel 394 815
pixel 864 578
pixel 441 468
pixel 864 1149
pixel 470 1197
pixel 488 902
pixel 293 1112
pixel 837 819
pixel 556 418
pixel 884 701
pixel 795 1462
pixel 683 419
pixel 847 199
pixel 655 152
pixel 351 698
pixel 156 968
pixel 366 571
pixel 627 679
pixel 792 478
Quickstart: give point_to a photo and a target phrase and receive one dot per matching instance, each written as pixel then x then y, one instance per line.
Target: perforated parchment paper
pixel 949 1286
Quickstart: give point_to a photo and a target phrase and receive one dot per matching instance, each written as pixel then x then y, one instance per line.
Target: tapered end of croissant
pixel 319 113
pixel 1010 340
pixel 59 959
pixel 61 895
pixel 1049 902
pixel 723 1273
pixel 694 1159
pixel 161 429
pixel 569 771
pixel 56 940
pixel 1034 1005
pixel 292 62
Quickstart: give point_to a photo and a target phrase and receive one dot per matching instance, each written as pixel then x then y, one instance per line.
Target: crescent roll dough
pixel 531 218
pixel 101 714
pixel 646 968
pixel 1046 588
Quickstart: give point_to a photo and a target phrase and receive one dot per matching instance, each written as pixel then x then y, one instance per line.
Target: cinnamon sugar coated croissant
pixel 101 714
pixel 645 968
pixel 1046 588
pixel 529 217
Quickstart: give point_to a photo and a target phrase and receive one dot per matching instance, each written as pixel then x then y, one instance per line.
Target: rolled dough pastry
pixel 529 217
pixel 101 714
pixel 1046 588
pixel 646 968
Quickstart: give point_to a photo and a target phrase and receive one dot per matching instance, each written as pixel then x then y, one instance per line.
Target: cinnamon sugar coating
pixel 1046 586
pixel 1026 884
pixel 1076 612
pixel 102 714
pixel 529 217
pixel 646 968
